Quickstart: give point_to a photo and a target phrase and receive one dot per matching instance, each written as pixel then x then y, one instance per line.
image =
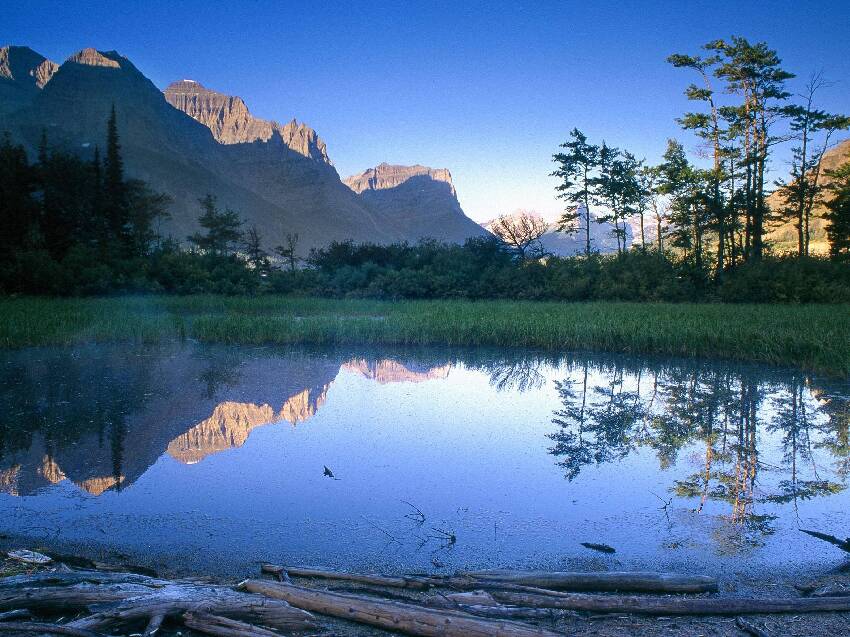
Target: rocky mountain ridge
pixel 190 141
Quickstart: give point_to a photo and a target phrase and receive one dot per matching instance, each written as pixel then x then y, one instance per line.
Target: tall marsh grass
pixel 815 337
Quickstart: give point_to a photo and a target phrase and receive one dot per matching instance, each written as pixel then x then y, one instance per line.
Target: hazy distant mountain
pixel 192 141
pixel 563 244
pixel 420 200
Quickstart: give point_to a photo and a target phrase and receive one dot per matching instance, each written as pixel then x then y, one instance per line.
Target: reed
pixel 813 337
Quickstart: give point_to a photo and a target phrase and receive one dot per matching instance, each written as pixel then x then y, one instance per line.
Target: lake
pixel 214 458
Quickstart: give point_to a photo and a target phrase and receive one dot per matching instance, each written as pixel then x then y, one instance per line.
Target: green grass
pixel 813 337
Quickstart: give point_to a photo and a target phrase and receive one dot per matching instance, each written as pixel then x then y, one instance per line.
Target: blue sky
pixel 487 90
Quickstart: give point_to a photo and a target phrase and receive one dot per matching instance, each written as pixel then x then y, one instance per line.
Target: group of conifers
pixel 91 602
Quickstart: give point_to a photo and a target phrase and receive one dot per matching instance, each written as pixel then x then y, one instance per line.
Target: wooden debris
pixel 397 616
pixel 29 557
pixel 672 605
pixel 605 581
pixel 45 628
pixel 482 604
pixel 20 613
pixel 414 583
pixel 223 627
pixel 750 628
pixel 602 548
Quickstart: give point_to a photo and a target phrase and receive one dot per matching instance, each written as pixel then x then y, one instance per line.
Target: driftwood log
pixel 397 616
pixel 44 628
pixel 413 583
pixel 481 603
pixel 672 605
pixel 173 601
pixel 605 581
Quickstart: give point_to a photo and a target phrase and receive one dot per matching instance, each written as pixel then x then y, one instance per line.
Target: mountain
pixel 230 121
pixel 421 200
pixel 191 141
pixel 23 73
pixel 783 237
pixel 562 244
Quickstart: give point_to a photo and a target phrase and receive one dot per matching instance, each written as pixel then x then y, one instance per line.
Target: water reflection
pixel 742 446
pixel 721 415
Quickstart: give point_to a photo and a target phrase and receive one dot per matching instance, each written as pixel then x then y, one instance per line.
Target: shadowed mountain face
pixel 23 73
pixel 192 141
pixel 102 424
pixel 419 199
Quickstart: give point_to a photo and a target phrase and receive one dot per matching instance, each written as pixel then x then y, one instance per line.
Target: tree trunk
pixel 606 581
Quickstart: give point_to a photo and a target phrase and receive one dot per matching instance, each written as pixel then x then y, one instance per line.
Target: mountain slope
pixel 420 201
pixel 23 72
pixel 783 237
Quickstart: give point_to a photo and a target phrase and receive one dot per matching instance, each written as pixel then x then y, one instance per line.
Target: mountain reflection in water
pixel 740 445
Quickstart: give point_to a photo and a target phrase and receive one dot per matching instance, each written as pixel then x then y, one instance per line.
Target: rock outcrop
pixel 420 201
pixel 23 73
pixel 230 121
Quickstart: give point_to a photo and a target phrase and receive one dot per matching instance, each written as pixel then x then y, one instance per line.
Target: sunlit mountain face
pixel 173 447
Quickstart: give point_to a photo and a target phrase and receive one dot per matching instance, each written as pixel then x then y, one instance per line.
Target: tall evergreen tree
pixel 114 191
pixel 577 166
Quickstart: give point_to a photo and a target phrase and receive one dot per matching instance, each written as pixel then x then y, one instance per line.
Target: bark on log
pixel 223 627
pixel 69 578
pixel 174 600
pixel 673 605
pixel 406 618
pixel 62 598
pixel 606 581
pixel 20 613
pixel 413 583
pixel 482 604
pixel 46 628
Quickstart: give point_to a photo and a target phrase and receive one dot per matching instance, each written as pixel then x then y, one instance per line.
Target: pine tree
pixel 289 251
pixel 114 191
pixel 257 258
pixel 576 170
pixel 222 228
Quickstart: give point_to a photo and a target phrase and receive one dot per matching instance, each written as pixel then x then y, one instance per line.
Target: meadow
pixel 811 337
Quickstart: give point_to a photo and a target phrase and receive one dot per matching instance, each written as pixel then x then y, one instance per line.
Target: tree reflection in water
pixel 723 414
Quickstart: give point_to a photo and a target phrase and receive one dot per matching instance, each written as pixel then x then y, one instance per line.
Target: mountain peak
pixel 27 67
pixel 385 176
pixel 93 57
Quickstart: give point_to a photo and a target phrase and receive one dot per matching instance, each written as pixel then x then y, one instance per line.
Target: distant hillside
pixel 191 141
pixel 784 236
pixel 419 199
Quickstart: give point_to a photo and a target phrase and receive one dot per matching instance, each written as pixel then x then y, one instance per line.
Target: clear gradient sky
pixel 487 89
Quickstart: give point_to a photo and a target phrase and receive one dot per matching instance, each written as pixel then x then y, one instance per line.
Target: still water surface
pixel 215 457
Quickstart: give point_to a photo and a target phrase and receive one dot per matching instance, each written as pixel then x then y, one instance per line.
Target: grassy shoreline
pixel 812 337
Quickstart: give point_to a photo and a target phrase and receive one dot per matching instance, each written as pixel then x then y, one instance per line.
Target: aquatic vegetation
pixel 815 337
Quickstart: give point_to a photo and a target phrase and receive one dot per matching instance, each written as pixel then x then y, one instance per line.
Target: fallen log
pixel 414 583
pixel 175 600
pixel 223 627
pixel 69 578
pixel 605 581
pixel 46 628
pixel 482 604
pixel 21 613
pixel 397 616
pixel 66 598
pixel 673 605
